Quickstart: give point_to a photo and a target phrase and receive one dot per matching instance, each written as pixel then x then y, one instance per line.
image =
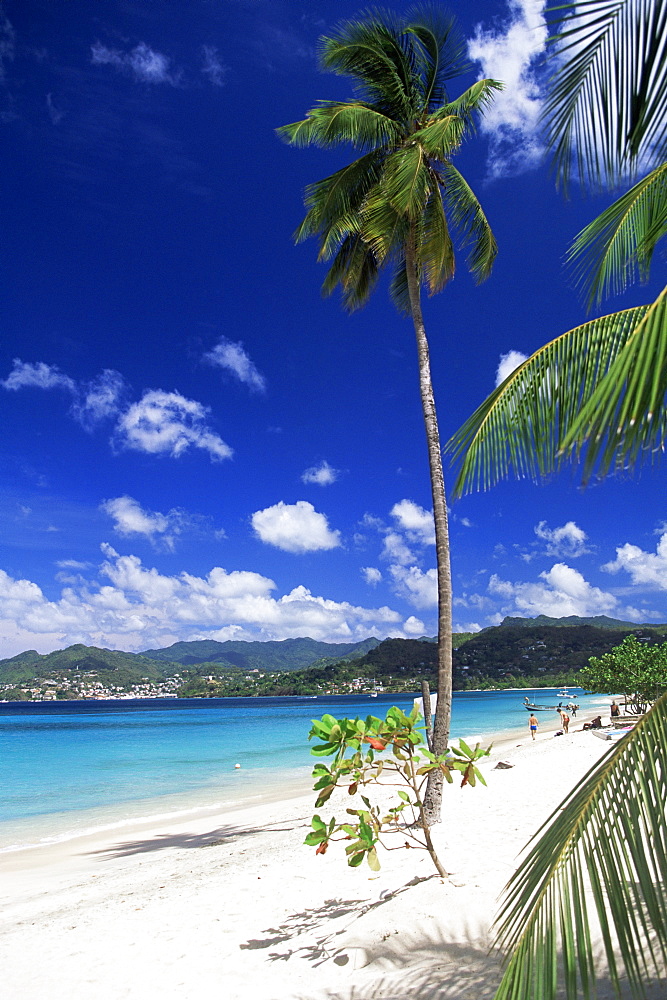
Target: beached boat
pixel 530 707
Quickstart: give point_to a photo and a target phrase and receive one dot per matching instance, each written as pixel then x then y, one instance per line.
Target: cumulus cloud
pixel 508 54
pixel 130 519
pixel 371 575
pixel 648 569
pixel 212 67
pixel 168 423
pixel 508 363
pixel 142 63
pixel 132 606
pixel 416 522
pixel 568 541
pixel 563 592
pixel 234 358
pixel 322 474
pixel 395 550
pixel 296 527
pixel 418 588
pixel 413 626
pixel 99 399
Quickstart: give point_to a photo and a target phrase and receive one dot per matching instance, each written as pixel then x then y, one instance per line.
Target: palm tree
pixel 396 206
pixel 599 389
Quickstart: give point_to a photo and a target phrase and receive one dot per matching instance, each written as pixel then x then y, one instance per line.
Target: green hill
pixel 599 621
pixel 287 654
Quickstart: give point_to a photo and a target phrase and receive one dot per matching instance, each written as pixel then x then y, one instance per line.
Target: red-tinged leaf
pixel 322 849
pixel 375 743
pixel 352 789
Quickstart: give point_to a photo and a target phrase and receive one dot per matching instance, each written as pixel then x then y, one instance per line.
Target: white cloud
pixel 212 66
pixel 647 569
pixel 295 528
pixel 418 588
pixel 26 375
pixel 234 358
pixel 568 541
pixel 508 55
pixel 395 550
pixel 564 592
pixel 371 575
pixel 322 474
pixel 168 423
pixel 135 607
pixel 416 522
pixel 55 113
pixel 142 63
pixel 131 519
pixel 100 399
pixel 508 363
pixel 413 626
pixel 160 423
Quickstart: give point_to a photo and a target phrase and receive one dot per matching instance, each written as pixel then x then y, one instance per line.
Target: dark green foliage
pixel 637 669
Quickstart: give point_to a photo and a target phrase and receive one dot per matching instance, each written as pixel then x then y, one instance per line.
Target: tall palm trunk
pixel 444 574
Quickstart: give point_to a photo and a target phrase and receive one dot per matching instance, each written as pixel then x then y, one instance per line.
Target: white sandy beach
pixel 235 906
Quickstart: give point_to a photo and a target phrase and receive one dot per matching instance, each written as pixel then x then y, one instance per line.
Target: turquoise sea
pixel 72 767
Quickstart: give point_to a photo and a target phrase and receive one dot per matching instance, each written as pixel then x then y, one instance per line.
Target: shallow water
pixel 69 767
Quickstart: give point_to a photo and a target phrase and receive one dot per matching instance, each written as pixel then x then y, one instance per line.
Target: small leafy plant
pixel 382 752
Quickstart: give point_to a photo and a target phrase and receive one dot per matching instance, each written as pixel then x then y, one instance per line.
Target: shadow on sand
pixel 223 835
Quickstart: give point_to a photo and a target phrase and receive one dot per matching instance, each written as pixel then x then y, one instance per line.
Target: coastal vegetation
pixel 398 207
pixel 381 753
pixel 636 669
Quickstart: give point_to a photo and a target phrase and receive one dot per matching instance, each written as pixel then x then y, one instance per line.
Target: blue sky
pixel 197 445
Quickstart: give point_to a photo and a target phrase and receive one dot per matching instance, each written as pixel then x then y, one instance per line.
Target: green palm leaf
pixel 618 246
pixel 521 428
pixel 469 219
pixel 608 99
pixel 331 123
pixel 599 863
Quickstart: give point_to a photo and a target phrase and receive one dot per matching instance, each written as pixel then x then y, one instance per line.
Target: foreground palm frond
pixel 601 385
pixel 599 862
pixel 617 247
pixel 608 98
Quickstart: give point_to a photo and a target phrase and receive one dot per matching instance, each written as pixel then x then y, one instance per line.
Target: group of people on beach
pixel 595 723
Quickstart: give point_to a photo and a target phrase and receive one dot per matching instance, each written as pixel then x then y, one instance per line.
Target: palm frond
pixel 599 862
pixel 435 249
pixel 340 195
pixel 475 100
pixel 399 289
pixel 383 228
pixel 442 138
pixel 607 109
pixel 331 123
pixel 470 220
pixel 625 419
pixel 520 428
pixel 442 51
pixel 407 179
pixel 355 269
pixel 618 246
pixel 376 54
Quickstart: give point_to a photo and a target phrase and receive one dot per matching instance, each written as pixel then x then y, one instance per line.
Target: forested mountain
pixel 287 654
pixel 599 621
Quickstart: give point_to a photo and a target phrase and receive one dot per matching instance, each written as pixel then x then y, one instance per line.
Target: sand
pixel 235 906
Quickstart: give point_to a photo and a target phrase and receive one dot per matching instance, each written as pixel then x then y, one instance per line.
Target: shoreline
pixel 232 902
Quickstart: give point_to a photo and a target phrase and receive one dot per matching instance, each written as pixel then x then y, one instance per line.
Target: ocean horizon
pixel 76 767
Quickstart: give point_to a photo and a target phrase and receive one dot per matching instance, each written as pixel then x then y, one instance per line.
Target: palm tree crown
pixel 404 188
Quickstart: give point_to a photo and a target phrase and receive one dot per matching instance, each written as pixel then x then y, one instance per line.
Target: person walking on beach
pixel 615 710
pixel 532 723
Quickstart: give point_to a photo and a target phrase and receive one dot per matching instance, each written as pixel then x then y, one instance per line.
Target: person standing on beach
pixel 565 721
pixel 532 723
